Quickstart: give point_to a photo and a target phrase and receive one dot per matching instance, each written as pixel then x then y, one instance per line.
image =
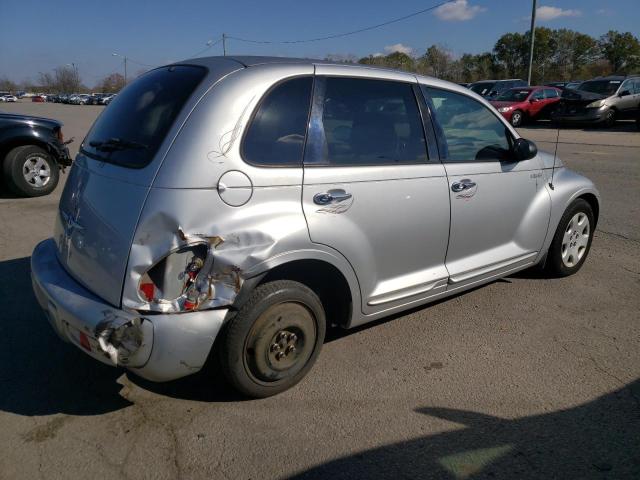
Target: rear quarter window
pixel 276 135
pixel 130 130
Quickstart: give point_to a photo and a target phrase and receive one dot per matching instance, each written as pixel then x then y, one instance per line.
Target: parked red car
pixel 38 98
pixel 528 103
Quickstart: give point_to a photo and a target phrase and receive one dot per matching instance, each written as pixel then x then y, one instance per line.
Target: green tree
pixel 621 49
pixel 511 53
pixel 436 61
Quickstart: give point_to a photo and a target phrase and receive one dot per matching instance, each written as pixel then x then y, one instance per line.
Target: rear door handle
pixel 463 184
pixel 331 196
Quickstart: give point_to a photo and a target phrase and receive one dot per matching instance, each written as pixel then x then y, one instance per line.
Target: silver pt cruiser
pixel 253 201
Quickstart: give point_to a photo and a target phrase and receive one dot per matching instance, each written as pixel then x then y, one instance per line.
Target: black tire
pixel 517 118
pixel 14 167
pixel 609 118
pixel 555 263
pixel 276 316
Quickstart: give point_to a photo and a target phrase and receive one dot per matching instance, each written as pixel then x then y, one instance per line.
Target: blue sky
pixel 37 36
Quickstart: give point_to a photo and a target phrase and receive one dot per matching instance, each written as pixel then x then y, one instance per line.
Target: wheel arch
pixel 593 202
pixel 334 282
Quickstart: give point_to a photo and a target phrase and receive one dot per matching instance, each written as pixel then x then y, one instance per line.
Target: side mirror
pixel 524 149
pixel 624 93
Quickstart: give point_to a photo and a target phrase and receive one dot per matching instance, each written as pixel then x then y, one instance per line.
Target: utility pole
pixel 532 34
pixel 125 66
pixel 224 44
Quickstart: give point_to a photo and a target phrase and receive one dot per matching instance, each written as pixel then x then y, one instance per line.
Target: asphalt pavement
pixel 526 377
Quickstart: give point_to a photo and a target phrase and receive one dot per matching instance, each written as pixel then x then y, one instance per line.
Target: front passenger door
pixel 499 207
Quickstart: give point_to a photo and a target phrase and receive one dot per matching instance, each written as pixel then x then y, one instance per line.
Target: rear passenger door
pixel 499 207
pixel 371 189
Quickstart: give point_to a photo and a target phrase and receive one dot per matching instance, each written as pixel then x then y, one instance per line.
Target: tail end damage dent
pixel 235 242
pixel 126 341
pixel 171 345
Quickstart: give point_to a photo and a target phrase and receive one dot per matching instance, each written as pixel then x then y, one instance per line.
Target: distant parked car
pixel 107 100
pixel 563 85
pixel 10 98
pixel 492 88
pixel 32 151
pixel 602 100
pixel 518 105
pixel 39 98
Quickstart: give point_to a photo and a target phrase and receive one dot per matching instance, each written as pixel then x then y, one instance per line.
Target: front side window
pixel 514 95
pixel 470 131
pixel 550 93
pixel 277 132
pixel 366 122
pixel 538 95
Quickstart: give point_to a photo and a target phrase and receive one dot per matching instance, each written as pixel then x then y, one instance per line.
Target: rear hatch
pixel 112 174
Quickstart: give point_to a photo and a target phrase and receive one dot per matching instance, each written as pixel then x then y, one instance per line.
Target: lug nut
pixel 275 347
pixel 279 355
pixel 292 338
pixel 290 349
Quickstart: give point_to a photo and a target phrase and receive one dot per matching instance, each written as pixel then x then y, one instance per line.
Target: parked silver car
pixel 602 100
pixel 252 202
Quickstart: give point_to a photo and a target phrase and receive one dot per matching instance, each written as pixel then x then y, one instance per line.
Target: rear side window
pixel 551 93
pixel 471 132
pixel 132 127
pixel 366 122
pixel 538 95
pixel 277 132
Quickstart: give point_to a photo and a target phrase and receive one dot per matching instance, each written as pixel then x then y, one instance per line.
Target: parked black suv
pixel 32 151
pixel 493 88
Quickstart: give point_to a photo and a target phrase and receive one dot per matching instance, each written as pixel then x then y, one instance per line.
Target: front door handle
pixel 331 196
pixel 463 184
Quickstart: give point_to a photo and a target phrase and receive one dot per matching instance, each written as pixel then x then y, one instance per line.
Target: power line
pixel 207 48
pixel 345 34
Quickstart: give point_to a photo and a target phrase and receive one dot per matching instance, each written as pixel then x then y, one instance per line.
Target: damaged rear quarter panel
pixel 184 206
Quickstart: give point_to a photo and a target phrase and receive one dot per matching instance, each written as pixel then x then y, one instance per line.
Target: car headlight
pixel 504 109
pixel 596 104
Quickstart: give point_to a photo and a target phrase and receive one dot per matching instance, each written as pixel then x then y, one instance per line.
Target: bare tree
pixel 112 83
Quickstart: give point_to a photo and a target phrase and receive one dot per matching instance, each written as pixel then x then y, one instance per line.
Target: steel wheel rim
pixel 280 343
pixel 36 171
pixel 575 240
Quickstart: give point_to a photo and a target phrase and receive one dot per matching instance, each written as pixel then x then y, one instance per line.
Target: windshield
pixel 604 87
pixel 132 127
pixel 482 88
pixel 514 95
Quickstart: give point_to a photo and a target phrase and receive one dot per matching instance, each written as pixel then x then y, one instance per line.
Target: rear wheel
pixel 274 339
pixel 516 118
pixel 30 171
pixel 572 240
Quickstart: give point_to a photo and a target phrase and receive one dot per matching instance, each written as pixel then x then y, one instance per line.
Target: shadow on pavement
pixel 600 439
pixel 39 373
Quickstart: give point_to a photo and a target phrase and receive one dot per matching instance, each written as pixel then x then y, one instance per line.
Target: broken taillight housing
pixel 173 283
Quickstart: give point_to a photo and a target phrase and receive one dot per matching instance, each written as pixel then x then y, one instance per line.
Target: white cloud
pixel 546 12
pixel 458 10
pixel 398 47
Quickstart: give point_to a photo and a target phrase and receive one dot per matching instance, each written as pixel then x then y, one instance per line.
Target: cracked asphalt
pixel 523 378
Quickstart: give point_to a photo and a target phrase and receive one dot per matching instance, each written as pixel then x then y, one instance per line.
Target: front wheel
pixel 572 240
pixel 30 171
pixel 609 118
pixel 516 118
pixel 274 339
